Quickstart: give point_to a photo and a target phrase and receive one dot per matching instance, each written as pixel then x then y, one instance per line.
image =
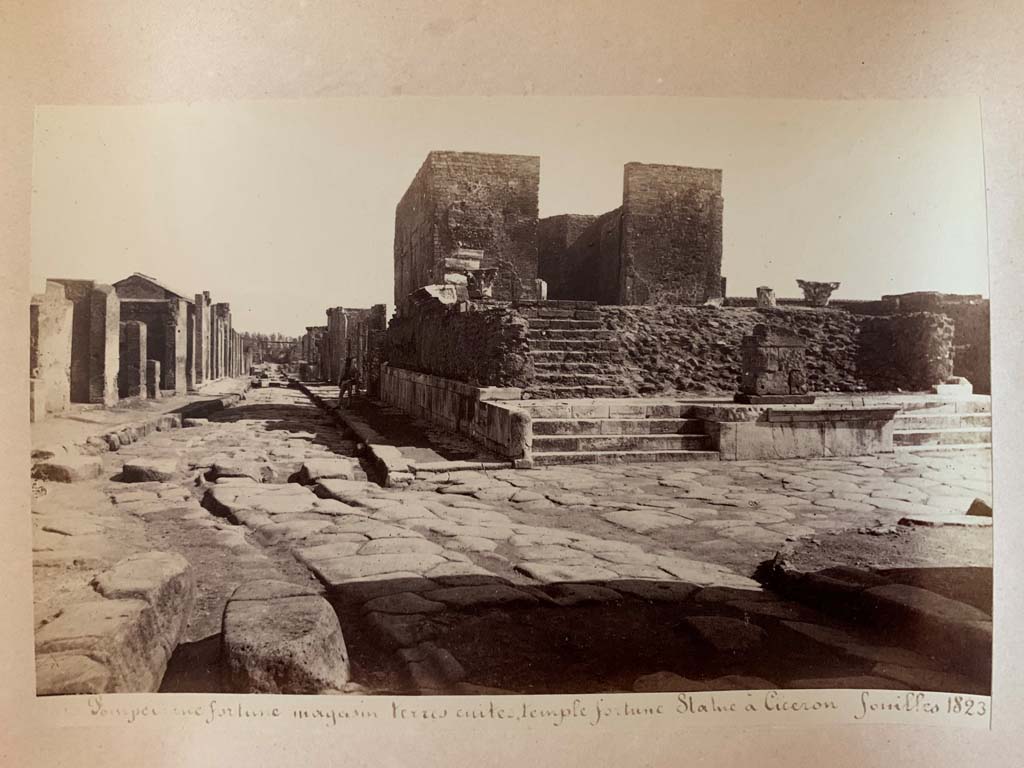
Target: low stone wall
pixel 477 413
pixel 909 351
pixel 481 345
pixel 671 349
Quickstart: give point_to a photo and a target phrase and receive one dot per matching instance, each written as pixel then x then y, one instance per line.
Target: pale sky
pixel 285 208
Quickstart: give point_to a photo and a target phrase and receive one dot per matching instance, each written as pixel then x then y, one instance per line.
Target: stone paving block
pixel 642 521
pixel 568 595
pixel 70 673
pixel 68 468
pixel 289 644
pixel 292 530
pixel 656 591
pixel 353 566
pixel 481 596
pixel 431 667
pixel 935 521
pixel 726 635
pixel 551 572
pixel 315 470
pixel 398 546
pixel 403 602
pixel 145 470
pixel 402 629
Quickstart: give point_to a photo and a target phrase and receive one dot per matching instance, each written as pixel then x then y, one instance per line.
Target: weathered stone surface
pixel 400 546
pixel 162 579
pixel 550 572
pixel 921 603
pixel 284 645
pixel 342 568
pixel 657 591
pixel 146 470
pixel 481 595
pixel 432 668
pixel 70 673
pixel 314 470
pixel 68 468
pixel 403 602
pixel 568 595
pixel 643 521
pixel 726 635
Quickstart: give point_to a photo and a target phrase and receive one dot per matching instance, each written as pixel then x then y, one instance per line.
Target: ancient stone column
pixel 175 359
pixel 50 319
pixel 765 297
pixel 132 374
pixel 104 345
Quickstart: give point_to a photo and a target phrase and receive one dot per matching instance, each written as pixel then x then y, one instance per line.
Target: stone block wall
pixel 479 344
pixel 50 322
pixel 671 234
pixel 471 200
pixel 592 264
pixel 497 425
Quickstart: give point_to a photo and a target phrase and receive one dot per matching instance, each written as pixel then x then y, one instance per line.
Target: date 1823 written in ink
pixel 930 704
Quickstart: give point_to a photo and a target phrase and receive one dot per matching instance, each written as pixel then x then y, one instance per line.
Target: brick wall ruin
pixel 469 200
pixel 483 345
pixel 662 246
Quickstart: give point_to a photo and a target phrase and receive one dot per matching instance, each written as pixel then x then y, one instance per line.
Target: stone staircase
pixel 942 427
pixel 573 355
pixel 610 432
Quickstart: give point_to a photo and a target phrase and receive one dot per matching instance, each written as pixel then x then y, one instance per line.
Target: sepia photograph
pixel 466 396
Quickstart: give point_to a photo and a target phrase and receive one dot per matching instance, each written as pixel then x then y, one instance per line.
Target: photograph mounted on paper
pixel 511 396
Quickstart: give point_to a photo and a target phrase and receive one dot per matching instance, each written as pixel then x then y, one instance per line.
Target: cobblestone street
pixel 583 578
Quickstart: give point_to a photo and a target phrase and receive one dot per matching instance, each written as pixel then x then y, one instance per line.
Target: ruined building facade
pixel 468 200
pixel 663 245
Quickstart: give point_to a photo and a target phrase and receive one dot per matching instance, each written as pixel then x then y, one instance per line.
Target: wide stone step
pixel 620 457
pixel 555 392
pixel 564 324
pixel 574 345
pixel 979 405
pixel 569 368
pixel 943 450
pixel 580 334
pixel 917 420
pixel 599 443
pixel 572 378
pixel 618 427
pixel 958 436
pixel 604 356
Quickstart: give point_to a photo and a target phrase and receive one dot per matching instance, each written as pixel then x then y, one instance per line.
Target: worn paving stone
pixel 726 635
pixel 922 603
pixel 397 546
pixel 271 533
pixel 289 644
pixel 403 602
pixel 935 521
pixel 339 569
pixel 550 572
pixel 470 544
pixel 641 521
pixel 481 595
pixel 568 595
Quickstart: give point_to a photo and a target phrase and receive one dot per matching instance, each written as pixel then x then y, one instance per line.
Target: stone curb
pixel 866 597
pixel 394 468
pixel 122 641
pixel 48 462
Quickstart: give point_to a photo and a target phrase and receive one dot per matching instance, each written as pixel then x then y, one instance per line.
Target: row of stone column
pixel 348 333
pixel 82 351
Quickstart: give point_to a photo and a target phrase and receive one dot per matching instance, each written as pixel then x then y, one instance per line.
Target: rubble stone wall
pixel 485 346
pixel 671 349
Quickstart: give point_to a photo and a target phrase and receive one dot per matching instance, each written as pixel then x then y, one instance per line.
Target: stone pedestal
pixel 36 400
pixel 765 297
pixel 132 374
pixel 774 367
pixel 153 379
pixel 50 322
pixel 104 345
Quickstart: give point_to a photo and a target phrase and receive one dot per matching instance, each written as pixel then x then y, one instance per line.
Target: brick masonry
pixel 471 200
